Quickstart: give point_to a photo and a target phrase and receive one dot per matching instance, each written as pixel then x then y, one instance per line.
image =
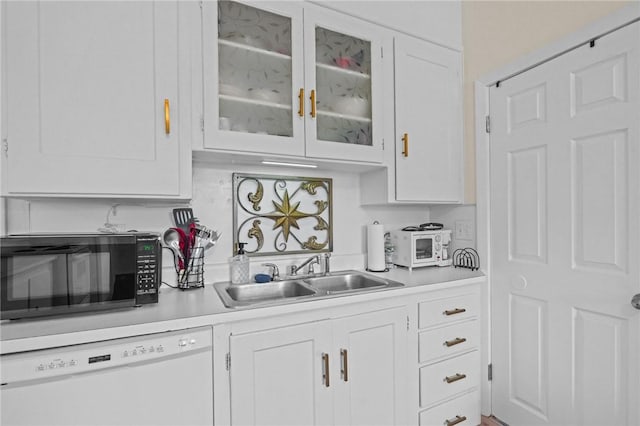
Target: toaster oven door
pixel 423 246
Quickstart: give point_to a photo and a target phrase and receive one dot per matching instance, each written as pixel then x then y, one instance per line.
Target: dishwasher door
pixel 157 379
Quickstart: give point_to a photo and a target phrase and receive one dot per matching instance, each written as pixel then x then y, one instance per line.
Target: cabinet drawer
pixel 463 411
pixel 447 310
pixel 446 341
pixel 447 378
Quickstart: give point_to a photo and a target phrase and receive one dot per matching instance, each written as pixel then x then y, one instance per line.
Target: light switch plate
pixel 464 230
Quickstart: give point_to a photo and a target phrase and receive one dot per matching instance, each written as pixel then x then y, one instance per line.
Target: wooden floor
pixel 490 421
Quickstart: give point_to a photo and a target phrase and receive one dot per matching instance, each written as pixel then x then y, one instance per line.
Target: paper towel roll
pixel 375 247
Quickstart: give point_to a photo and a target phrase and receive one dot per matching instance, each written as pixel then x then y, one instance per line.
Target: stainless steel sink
pixel 349 281
pixel 255 293
pixel 300 289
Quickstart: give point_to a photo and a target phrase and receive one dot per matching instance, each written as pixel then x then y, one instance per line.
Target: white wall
pixel 495 33
pixel 212 204
pixel 436 21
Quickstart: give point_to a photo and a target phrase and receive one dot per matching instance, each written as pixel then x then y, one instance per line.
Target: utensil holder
pixel 193 275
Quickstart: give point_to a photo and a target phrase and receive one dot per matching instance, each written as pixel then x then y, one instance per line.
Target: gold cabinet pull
pixel 325 369
pixel 405 145
pixel 455 341
pixel 345 365
pixel 167 117
pixel 454 311
pixel 455 378
pixel 301 98
pixel 458 419
pixel 313 103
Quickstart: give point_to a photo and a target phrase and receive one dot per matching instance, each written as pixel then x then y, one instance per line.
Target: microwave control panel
pixel 148 272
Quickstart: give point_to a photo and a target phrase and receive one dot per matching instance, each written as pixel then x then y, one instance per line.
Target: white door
pixel 92 96
pixel 565 215
pixel 371 349
pixel 278 377
pixel 428 115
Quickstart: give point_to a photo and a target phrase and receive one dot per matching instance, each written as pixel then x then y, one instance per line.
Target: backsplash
pixel 213 204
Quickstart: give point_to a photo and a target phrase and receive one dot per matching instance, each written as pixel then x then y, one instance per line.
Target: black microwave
pixel 50 274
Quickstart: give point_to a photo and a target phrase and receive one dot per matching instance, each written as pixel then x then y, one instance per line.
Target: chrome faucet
pixel 313 260
pixel 275 275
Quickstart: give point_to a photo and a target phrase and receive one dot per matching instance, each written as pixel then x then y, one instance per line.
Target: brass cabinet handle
pixel 405 145
pixel 167 117
pixel 301 98
pixel 455 378
pixel 458 419
pixel 455 341
pixel 313 103
pixel 454 311
pixel 345 365
pixel 325 369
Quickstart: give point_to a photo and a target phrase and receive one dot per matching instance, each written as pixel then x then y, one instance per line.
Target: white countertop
pixel 183 309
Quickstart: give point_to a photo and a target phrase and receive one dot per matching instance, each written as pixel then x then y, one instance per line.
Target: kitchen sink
pixel 300 289
pixel 253 293
pixel 348 282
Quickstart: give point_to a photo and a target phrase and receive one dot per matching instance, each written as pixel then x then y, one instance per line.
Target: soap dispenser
pixel 240 266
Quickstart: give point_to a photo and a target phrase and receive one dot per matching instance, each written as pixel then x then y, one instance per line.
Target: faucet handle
pixel 275 275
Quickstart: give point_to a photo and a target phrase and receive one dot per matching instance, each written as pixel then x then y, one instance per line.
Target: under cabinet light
pixel 280 163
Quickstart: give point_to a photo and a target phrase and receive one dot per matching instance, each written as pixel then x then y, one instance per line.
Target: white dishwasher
pixel 154 379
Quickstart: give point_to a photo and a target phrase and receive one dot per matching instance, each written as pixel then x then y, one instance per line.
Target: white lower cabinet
pixel 344 371
pixel 409 360
pixel 449 358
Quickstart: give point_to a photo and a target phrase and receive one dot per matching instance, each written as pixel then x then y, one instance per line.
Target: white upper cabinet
pixel 252 72
pixel 275 86
pixel 426 164
pixel 91 96
pixel 428 122
pixel 343 74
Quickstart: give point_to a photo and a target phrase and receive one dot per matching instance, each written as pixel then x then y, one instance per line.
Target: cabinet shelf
pixel 250 101
pixel 344 116
pixel 343 71
pixel 254 49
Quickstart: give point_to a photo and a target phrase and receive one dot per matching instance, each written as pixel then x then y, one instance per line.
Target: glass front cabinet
pixel 274 86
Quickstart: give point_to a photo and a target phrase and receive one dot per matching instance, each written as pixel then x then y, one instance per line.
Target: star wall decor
pixel 282 214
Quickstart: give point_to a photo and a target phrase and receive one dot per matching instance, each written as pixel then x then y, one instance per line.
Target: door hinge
pixel 202 123
pixel 490 372
pixel 488 124
pixel 5 147
pixel 381 52
pixel 201 5
pixel 228 360
pixel 407 322
pixel 383 144
pixel 592 43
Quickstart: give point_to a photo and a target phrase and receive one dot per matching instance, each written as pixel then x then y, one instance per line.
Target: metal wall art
pixel 282 214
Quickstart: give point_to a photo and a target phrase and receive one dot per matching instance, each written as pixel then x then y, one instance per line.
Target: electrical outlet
pixel 463 230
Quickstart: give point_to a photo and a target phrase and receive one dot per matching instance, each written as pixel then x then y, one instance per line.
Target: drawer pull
pixel 455 341
pixel 458 419
pixel 455 378
pixel 454 311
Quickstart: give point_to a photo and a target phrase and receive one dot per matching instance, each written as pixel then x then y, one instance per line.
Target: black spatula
pixel 182 218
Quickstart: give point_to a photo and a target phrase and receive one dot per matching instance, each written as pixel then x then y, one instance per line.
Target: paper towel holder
pixel 375 222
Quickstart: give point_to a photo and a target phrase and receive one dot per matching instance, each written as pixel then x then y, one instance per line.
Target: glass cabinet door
pixel 343 80
pixel 343 88
pixel 253 76
pixel 254 57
